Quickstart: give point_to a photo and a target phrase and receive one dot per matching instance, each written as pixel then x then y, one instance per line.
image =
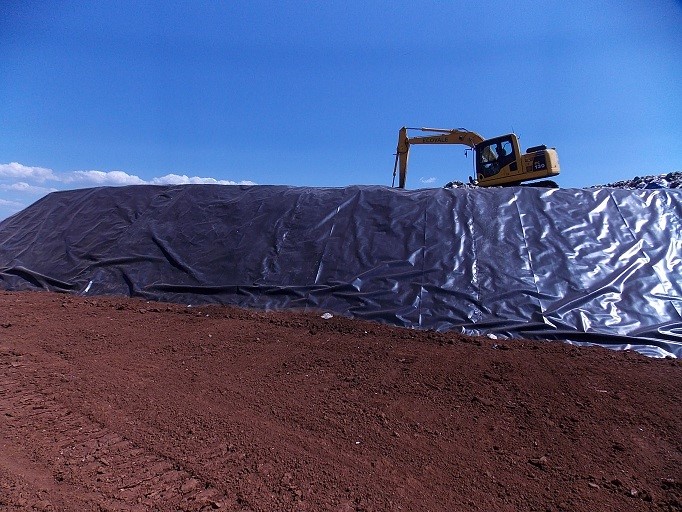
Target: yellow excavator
pixel 499 161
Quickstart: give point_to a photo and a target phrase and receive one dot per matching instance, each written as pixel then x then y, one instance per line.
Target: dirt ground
pixel 113 404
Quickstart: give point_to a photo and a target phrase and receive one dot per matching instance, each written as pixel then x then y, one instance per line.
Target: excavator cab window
pixel 494 154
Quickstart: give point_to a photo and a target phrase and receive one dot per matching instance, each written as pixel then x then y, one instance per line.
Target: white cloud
pixel 17 170
pixel 11 204
pixel 427 180
pixel 16 178
pixel 175 179
pixel 119 178
pixel 22 186
pixel 114 178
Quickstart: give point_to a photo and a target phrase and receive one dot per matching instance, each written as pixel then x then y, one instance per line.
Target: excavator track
pixel 122 475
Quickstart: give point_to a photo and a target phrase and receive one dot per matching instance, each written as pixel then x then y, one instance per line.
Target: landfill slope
pixel 597 266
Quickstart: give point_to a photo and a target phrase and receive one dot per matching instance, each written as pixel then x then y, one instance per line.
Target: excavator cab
pixel 499 162
pixel 493 155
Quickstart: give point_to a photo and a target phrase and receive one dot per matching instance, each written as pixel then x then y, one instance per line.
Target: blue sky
pixel 313 93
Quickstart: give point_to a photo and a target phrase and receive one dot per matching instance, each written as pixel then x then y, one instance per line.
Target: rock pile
pixel 670 180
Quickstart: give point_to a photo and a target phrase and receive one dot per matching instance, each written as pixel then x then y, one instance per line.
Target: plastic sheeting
pixel 596 266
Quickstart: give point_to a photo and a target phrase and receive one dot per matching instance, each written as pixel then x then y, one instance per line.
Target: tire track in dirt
pixel 119 474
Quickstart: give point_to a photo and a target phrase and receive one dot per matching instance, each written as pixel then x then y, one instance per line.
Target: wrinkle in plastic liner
pixel 598 266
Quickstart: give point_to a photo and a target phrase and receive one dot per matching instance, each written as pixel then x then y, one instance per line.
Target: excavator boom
pixel 441 136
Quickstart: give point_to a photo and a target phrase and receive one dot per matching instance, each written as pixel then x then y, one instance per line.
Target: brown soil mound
pixel 119 404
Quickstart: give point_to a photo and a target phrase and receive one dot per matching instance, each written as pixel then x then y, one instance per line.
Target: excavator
pixel 499 161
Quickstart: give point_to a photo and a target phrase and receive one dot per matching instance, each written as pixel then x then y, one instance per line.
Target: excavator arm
pixel 440 136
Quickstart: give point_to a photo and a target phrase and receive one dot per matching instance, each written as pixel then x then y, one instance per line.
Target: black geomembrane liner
pixel 597 266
